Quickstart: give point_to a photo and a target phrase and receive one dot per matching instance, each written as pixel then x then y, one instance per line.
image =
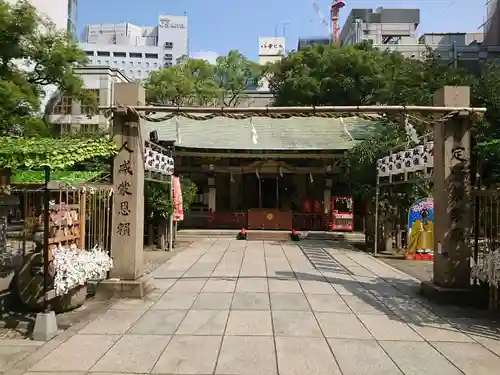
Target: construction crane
pixel 334 29
pixel 334 13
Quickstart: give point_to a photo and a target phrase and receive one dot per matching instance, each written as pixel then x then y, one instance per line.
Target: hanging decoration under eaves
pixel 419 158
pixel 158 162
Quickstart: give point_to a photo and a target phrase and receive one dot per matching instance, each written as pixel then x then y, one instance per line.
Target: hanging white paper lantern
pixel 392 164
pixel 149 158
pixel 429 154
pixel 418 158
pixel 399 164
pixel 408 160
pixel 385 166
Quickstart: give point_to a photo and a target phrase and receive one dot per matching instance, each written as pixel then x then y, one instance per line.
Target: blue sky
pixel 220 25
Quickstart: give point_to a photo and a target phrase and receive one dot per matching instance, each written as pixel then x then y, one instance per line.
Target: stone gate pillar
pixel 452 200
pixel 127 224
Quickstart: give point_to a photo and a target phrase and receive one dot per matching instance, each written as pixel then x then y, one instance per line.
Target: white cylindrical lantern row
pixel 157 162
pixel 416 159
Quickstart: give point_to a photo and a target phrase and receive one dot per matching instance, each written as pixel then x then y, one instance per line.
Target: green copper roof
pixel 296 133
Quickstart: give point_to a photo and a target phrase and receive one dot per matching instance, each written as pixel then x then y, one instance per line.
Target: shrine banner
pixel 178 209
pixel 421 226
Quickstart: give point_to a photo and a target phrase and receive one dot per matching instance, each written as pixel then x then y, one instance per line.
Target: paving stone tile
pixel 158 322
pixel 342 326
pixel 361 357
pixel 295 323
pixel 163 284
pixel 189 355
pixel 387 327
pixel 409 309
pixel 79 353
pixel 252 285
pixel 11 355
pixel 284 286
pixel 188 285
pixel 113 322
pixel 366 304
pixel 317 287
pixel 134 304
pixel 328 303
pixel 250 301
pixel 133 353
pixel 471 358
pixel 439 331
pixel 249 323
pixel 175 301
pixel 203 322
pixel 492 343
pixel 245 355
pixel 213 301
pixel 289 302
pixel 224 285
pixel 301 355
pixel 417 358
pixel 348 288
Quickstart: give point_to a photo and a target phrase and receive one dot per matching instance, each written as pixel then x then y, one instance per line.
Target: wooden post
pixel 452 196
pixel 82 214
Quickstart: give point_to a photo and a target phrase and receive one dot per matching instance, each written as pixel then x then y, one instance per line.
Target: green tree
pixel 33 54
pixel 197 82
pixel 190 82
pixel 234 74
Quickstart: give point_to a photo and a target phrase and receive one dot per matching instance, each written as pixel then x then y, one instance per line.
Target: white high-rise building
pixel 271 50
pixel 135 50
pixel 61 12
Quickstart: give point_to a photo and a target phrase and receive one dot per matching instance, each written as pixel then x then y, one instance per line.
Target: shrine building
pixel 260 172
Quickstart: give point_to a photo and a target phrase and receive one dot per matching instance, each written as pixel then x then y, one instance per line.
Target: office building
pixel 271 50
pixel 491 26
pixel 397 30
pixel 61 12
pixel 70 116
pixel 136 51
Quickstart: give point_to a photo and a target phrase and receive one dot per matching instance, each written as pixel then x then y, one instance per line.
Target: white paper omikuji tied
pixel 149 158
pixel 75 267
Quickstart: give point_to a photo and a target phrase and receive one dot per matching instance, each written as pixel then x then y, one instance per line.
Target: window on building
pixel 65 128
pixel 151 55
pixel 169 45
pixel 155 65
pixel 89 128
pixel 167 64
pixel 131 73
pixel 64 106
pixel 119 54
pixel 147 64
pixel 89 53
pixel 135 55
pixel 103 53
pixel 131 63
pixel 168 57
pixel 98 62
pixel 86 109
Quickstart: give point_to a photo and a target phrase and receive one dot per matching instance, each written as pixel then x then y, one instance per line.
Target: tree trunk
pixel 162 242
pixel 151 234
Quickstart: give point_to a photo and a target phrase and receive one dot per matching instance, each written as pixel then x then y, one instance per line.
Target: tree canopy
pixel 363 75
pixel 33 54
pixel 199 83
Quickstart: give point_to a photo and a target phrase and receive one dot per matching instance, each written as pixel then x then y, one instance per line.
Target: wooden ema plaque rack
pixel 66 227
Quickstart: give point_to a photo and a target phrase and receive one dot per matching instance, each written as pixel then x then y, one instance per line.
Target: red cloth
pixel 178 209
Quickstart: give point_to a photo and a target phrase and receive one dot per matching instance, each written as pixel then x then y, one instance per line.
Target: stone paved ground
pixel 260 308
